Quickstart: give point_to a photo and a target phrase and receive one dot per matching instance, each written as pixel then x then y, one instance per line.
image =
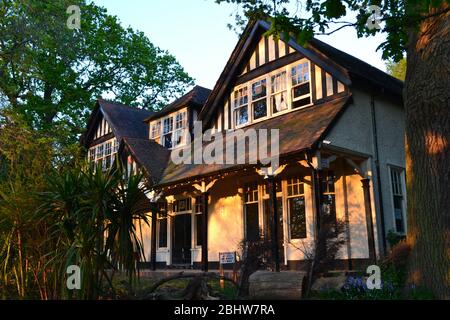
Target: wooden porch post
pixel 205 231
pixel 317 189
pixel 368 208
pixel 272 190
pixel 154 209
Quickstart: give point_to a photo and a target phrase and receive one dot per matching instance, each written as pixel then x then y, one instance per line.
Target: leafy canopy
pixel 52 74
pixel 304 19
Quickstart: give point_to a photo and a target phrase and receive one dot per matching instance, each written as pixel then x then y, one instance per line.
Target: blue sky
pixel 196 33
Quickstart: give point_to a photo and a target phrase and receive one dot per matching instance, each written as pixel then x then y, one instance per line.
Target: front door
pixel 268 223
pixel 181 239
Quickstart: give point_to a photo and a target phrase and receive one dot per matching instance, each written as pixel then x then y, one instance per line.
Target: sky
pixel 196 33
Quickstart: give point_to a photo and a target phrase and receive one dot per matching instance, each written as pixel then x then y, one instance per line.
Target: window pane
pixel 162 233
pixel 259 109
pixel 240 97
pixel 241 115
pixel 328 205
pixel 279 82
pixel 300 73
pixel 297 217
pixel 168 125
pixel 300 90
pixel 168 140
pixel 279 102
pixel 259 89
pixel 252 222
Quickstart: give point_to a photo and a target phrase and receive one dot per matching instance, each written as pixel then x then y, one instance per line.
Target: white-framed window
pixel 259 99
pixel 280 91
pixel 155 132
pixel 241 106
pixel 278 97
pixel 301 87
pixel 104 153
pixel 296 208
pixel 162 225
pixel 167 132
pixel 180 129
pixel 398 198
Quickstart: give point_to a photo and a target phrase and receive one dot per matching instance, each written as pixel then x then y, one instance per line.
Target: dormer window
pixel 171 130
pixel 167 132
pixel 276 93
pixel 155 132
pixel 241 106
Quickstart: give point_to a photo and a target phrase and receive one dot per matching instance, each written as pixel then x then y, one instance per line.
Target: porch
pixel 285 204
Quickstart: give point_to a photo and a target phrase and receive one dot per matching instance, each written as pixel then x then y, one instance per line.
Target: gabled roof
pixel 359 69
pixel 196 98
pixel 125 121
pixel 299 131
pixel 338 63
pixel 151 156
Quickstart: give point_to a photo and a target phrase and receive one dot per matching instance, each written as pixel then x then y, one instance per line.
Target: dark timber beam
pixel 204 188
pixel 272 190
pixel 154 209
pixel 205 196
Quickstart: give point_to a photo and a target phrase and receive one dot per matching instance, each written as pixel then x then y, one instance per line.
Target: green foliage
pixel 54 214
pixel 394 238
pixel 52 74
pixel 397 69
pixel 304 20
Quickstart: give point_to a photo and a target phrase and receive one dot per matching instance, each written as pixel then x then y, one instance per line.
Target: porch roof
pixel 298 131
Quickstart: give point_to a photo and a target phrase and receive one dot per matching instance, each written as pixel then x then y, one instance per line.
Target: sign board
pixel 227 257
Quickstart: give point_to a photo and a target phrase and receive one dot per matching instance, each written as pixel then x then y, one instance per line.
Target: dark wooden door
pixel 181 239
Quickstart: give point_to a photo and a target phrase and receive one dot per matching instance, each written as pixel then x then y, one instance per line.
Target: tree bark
pixel 427 103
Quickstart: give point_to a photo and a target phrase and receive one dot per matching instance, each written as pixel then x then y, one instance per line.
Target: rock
pixel 268 285
pixel 329 283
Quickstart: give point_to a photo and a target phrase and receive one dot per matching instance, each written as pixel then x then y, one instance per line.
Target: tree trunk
pixel 427 102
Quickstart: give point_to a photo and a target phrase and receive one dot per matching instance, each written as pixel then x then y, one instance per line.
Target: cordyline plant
pixel 53 216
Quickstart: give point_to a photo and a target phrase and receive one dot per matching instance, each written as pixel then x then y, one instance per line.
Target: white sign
pixel 227 257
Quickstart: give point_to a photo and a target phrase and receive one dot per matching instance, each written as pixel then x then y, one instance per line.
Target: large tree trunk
pixel 427 102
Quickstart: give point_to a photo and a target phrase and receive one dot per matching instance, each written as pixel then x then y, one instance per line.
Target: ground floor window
pixel 162 225
pixel 162 228
pixel 251 212
pixel 329 194
pixel 398 199
pixel 296 208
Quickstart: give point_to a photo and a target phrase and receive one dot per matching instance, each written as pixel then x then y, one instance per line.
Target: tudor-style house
pixel 341 150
